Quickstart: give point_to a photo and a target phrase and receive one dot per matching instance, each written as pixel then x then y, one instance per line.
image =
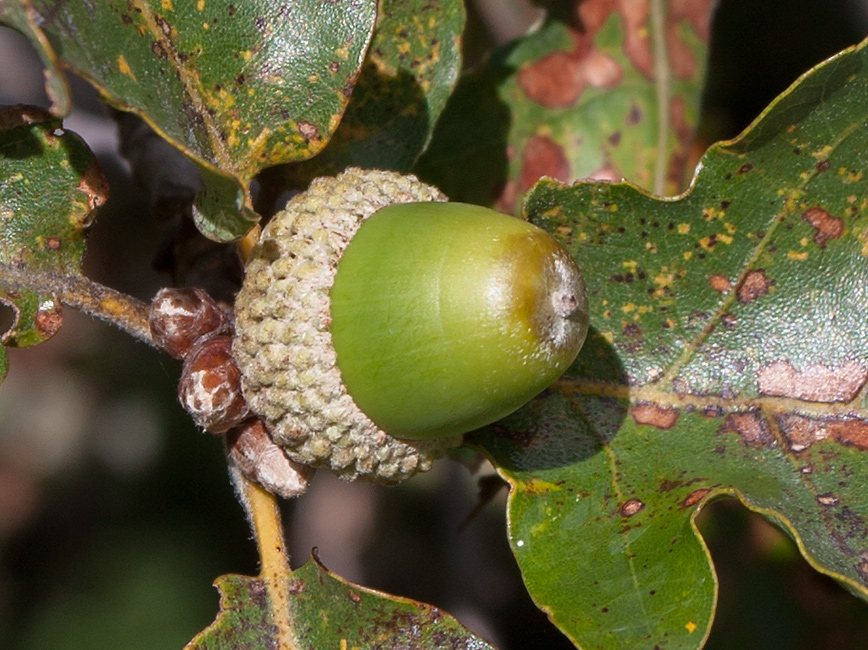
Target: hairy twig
pixel 263 513
pixel 76 291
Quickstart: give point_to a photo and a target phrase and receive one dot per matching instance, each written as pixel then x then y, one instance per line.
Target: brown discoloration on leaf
pixel 542 156
pixel 606 173
pixel 826 227
pixel 632 338
pixel 751 428
pixel 753 287
pixel 296 586
pixel 654 415
pixel 559 79
pixel 827 499
pixel 719 283
pixel 309 131
pixel 95 187
pixel 14 116
pixel 697 13
pixel 801 432
pixel 862 570
pixel 694 497
pixel 815 383
pixel 631 507
pixel 53 243
pixel 683 130
pixel 49 319
pixel 850 432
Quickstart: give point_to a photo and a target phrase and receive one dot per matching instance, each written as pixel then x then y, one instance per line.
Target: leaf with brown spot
pixel 355 617
pixel 727 355
pixel 50 188
pixel 594 89
pixel 236 91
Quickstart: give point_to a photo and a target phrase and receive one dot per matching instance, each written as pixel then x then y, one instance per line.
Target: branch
pixel 79 292
pixel 264 516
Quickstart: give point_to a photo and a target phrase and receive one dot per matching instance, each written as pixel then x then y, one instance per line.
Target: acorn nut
pixel 378 323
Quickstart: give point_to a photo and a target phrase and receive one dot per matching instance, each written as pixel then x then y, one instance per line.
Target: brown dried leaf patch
pixel 814 383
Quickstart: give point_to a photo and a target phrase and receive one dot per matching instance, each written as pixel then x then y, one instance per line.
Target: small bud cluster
pixel 189 325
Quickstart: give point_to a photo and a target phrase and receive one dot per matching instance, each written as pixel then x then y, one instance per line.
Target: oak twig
pixel 263 513
pixel 76 291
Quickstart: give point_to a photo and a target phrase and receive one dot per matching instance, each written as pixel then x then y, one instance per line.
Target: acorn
pixel 378 323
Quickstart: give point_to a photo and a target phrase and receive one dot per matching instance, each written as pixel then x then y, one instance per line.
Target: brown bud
pixel 180 317
pixel 262 461
pixel 210 386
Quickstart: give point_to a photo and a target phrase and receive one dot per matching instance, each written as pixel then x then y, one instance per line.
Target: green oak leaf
pixel 728 356
pixel 326 611
pixel 411 69
pixel 614 96
pixel 50 188
pixel 237 86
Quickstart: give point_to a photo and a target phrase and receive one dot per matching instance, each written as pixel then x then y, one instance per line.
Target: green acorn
pixel 377 322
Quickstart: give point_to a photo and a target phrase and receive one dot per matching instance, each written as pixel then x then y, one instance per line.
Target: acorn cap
pixel 282 343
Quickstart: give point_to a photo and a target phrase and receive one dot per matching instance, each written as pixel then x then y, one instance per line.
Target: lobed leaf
pixel 728 356
pixel 237 86
pixel 612 93
pixel 329 612
pixel 50 188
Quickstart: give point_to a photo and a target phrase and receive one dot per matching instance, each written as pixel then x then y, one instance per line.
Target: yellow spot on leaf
pixel 709 214
pixel 124 67
pixel 343 52
pixel 793 255
pixel 246 55
pixel 822 153
pixel 683 228
pixel 628 308
pixel 200 5
pixel 726 239
pixel 630 265
pixel 651 248
pixel 607 313
pixel 688 255
pixel 167 5
pixel 730 228
pixel 609 337
pixel 206 26
pixel 691 627
pixel 664 280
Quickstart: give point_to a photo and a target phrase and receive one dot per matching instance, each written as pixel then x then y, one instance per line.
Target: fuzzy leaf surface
pixel 611 94
pixel 237 86
pixel 728 355
pixel 329 612
pixel 50 187
pixel 410 70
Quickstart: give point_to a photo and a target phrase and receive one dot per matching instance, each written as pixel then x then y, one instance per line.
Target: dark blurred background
pixel 116 514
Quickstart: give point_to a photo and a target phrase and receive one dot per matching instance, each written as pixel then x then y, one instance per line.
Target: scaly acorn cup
pixel 378 323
